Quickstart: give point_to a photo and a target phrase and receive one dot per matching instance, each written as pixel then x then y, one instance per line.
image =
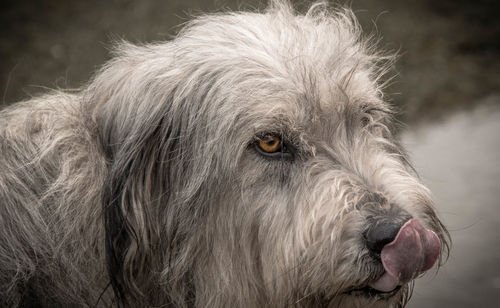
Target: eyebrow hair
pixel 370 108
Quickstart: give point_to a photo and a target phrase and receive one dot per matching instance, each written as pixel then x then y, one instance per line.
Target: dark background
pixel 448 49
pixel 447 90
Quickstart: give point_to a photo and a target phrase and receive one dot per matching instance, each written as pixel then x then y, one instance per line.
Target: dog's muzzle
pixel 405 248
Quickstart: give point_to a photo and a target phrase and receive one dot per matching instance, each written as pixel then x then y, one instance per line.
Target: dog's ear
pixel 147 124
pixel 131 211
pixel 138 141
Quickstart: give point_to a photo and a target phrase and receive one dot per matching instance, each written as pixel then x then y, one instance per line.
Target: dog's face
pixel 316 175
pixel 275 172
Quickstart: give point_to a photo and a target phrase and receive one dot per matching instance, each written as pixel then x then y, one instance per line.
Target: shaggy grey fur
pixel 146 188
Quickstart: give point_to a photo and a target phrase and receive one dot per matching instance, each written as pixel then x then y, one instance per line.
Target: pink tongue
pixel 413 251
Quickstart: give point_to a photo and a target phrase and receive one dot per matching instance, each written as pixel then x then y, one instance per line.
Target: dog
pixel 249 162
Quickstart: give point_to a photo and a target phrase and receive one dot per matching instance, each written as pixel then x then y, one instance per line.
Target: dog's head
pixel 252 163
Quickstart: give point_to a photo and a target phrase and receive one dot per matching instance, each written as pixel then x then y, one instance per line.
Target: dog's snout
pixel 381 234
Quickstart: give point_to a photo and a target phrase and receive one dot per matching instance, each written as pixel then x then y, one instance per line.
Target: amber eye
pixel 270 144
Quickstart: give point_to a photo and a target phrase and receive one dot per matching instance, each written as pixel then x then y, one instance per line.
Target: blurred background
pixel 447 91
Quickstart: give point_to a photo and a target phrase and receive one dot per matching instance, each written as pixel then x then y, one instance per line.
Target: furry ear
pixel 129 211
pixel 146 121
pixel 138 141
pixel 132 205
pixel 117 239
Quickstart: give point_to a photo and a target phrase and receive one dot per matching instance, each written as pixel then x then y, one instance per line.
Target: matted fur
pixel 145 189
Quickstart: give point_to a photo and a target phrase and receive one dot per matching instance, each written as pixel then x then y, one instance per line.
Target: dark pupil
pixel 271 142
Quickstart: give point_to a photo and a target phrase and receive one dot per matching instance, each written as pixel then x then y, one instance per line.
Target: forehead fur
pixel 320 56
pixel 244 70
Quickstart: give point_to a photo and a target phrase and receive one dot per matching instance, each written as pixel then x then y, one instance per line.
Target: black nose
pixel 381 234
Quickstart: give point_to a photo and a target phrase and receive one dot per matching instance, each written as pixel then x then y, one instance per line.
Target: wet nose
pixel 382 233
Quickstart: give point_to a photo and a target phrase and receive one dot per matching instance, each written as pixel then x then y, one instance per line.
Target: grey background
pixel 447 91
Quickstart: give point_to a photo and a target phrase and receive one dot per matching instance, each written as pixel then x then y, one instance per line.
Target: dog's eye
pixel 272 146
pixel 269 144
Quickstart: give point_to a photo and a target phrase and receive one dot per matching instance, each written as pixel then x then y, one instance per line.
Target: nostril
pixel 381 234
